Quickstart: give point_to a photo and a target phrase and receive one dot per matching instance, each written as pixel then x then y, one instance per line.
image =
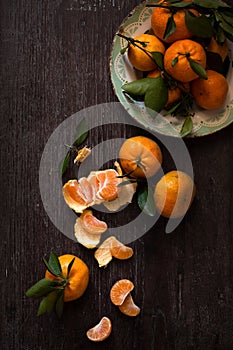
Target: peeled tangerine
pixel 99 187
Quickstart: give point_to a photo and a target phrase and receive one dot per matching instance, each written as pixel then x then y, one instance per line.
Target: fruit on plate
pixel 139 52
pixel 66 279
pixel 210 93
pixel 101 331
pixel 159 23
pixel 183 58
pixel 174 194
pixel 140 156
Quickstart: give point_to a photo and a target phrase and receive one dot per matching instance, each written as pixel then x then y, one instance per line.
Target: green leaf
pixel 138 87
pixel 70 267
pixel 170 27
pixel 172 109
pixel 123 51
pixel 210 4
pixel 65 163
pixel 60 305
pixel 175 61
pixel 48 303
pixel 158 58
pixel 82 133
pixel 146 201
pixel 42 288
pixel 49 268
pixel 187 127
pixel 55 265
pixel 157 95
pixel 126 182
pixel 220 35
pixel 200 26
pixel 228 28
pixel 180 4
pixel 198 69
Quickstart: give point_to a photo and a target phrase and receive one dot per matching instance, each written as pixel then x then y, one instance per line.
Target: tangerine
pixel 78 276
pixel 141 156
pixel 221 49
pixel 178 56
pixel 210 93
pixel 174 194
pixel 140 53
pixel 159 20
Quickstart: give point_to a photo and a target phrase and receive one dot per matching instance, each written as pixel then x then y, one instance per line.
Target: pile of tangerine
pixel 178 50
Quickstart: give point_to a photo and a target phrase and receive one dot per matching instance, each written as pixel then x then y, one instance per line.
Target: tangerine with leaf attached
pixel 139 52
pixel 185 60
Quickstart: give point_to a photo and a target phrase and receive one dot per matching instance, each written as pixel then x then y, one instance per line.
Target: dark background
pixel 55 62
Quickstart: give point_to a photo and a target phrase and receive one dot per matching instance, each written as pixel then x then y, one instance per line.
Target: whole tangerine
pixel 210 93
pixel 159 20
pixel 140 55
pixel 141 156
pixel 178 56
pixel 174 194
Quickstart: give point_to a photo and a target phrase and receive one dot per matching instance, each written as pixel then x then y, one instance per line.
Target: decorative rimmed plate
pixel 204 122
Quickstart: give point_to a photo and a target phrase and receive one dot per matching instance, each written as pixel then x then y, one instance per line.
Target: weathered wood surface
pixel 54 60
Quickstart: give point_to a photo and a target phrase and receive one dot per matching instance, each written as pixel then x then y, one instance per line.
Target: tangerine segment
pixel 85 238
pixel 160 17
pixel 140 155
pixel 78 277
pixel 174 194
pixel 91 224
pixel 74 196
pixel 120 251
pixel 210 93
pixel 178 56
pixel 140 59
pixel 120 290
pixel 128 307
pixel 108 182
pixel 101 331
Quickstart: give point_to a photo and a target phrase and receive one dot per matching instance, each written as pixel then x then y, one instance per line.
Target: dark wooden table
pixel 55 62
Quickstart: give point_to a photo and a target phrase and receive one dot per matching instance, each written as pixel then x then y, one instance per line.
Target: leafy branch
pixel 52 290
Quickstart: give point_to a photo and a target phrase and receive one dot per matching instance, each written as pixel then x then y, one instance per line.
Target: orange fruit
pixel 138 58
pixel 78 277
pixel 174 94
pixel 140 155
pixel 177 59
pixel 159 21
pixel 98 187
pixel 120 290
pixel 221 49
pixel 174 194
pixel 101 331
pixel 91 224
pixel 128 307
pixel 210 93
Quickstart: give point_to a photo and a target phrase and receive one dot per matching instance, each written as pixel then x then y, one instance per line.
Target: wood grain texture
pixel 54 62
